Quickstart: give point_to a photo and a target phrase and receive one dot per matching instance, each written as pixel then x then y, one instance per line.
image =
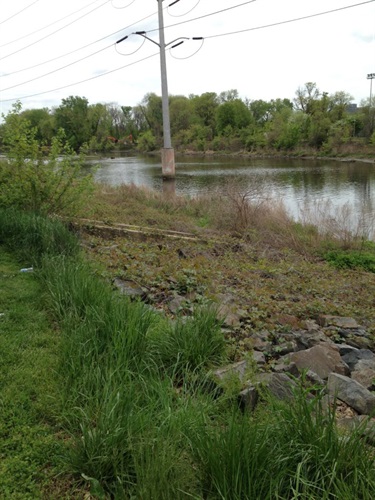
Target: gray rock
pixel 364 374
pixel 176 304
pixel 278 384
pixel 129 288
pixel 351 392
pixel 353 356
pixel 360 342
pixel 322 359
pixel 338 321
pixel 259 358
pixel 237 370
pixel 305 340
pixel 248 398
pixel 283 367
pixel 259 342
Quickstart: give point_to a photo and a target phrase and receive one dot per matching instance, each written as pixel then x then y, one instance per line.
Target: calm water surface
pixel 296 182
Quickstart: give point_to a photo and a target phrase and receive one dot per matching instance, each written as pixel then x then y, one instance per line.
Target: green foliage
pixel 32 180
pixel 146 142
pixel 351 259
pixel 146 421
pixel 286 450
pixel 73 117
pixel 32 236
pixel 191 343
pixel 234 114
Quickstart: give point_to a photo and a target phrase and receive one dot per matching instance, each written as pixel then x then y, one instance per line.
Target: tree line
pixel 316 120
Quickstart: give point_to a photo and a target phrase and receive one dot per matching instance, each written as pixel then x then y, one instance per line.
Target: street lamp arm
pixel 143 33
pixel 179 38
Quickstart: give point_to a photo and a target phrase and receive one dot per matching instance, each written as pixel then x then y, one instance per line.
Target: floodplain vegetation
pixel 107 397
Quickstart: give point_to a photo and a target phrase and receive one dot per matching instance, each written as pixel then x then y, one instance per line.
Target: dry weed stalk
pixel 338 223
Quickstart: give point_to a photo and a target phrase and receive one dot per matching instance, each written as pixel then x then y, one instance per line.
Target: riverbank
pixel 270 273
pixel 145 417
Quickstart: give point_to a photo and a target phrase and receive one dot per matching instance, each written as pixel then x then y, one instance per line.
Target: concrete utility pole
pixel 167 153
pixel 370 77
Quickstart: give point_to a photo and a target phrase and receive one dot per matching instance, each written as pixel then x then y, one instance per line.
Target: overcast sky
pixel 50 50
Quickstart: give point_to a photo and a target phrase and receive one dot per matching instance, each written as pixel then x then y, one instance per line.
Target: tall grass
pixel 145 422
pixel 284 451
pixel 32 236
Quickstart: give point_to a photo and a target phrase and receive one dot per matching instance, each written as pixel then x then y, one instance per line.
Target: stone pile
pixel 334 353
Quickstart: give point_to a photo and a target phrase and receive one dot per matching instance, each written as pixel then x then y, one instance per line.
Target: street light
pixel 370 77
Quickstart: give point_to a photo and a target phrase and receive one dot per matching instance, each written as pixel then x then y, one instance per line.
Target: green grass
pixel 31 443
pixel 132 390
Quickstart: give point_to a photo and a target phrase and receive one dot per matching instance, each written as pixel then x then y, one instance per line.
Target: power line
pixel 80 48
pixel 53 32
pixel 289 20
pixel 56 70
pixel 206 15
pixel 213 36
pixel 82 81
pixel 48 25
pixel 19 12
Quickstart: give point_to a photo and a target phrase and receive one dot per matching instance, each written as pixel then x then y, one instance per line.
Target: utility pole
pixel 167 153
pixel 370 77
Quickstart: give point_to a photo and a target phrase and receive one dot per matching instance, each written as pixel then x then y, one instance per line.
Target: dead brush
pixel 338 225
pixel 237 209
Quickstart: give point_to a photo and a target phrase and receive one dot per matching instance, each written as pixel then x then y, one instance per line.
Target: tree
pixel 205 108
pixel 72 117
pixel 228 95
pixel 234 114
pixel 151 113
pixel 43 122
pixel 306 97
pixel 181 114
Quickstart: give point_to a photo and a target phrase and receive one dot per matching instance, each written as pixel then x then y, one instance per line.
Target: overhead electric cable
pixel 53 32
pixel 81 81
pixel 279 23
pixel 206 15
pixel 79 48
pixel 55 70
pixel 213 36
pixel 19 12
pixel 48 25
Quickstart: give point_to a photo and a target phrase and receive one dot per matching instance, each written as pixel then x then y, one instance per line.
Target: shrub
pixel 39 179
pixel 353 259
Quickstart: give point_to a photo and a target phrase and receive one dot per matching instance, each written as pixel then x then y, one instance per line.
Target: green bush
pixel 353 259
pixel 39 179
pixel 146 142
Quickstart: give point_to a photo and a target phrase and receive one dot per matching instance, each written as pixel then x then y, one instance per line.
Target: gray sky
pixel 41 40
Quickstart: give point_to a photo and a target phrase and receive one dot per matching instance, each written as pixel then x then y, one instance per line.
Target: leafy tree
pixel 306 97
pixel 234 114
pixel 73 117
pixel 205 108
pixel 181 113
pixel 261 111
pixel 150 112
pixel 228 95
pixel 43 122
pixel 29 180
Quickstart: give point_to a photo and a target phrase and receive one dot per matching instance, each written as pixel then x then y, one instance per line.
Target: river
pixel 343 189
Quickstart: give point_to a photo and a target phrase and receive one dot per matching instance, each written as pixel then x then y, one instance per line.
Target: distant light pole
pixel 370 77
